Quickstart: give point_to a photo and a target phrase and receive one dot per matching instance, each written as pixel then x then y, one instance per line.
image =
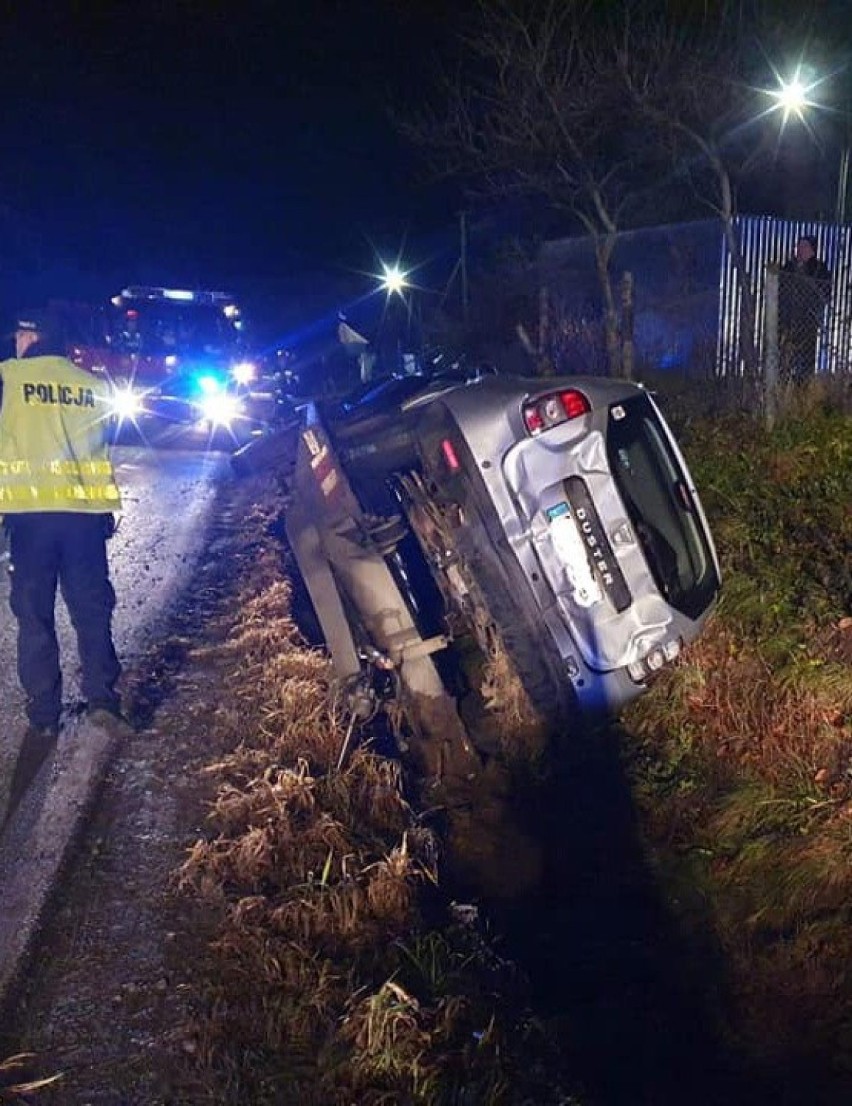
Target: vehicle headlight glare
pixel 220 409
pixel 244 372
pixel 209 385
pixel 126 403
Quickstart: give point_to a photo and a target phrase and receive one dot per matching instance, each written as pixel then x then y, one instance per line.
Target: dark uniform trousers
pixel 69 549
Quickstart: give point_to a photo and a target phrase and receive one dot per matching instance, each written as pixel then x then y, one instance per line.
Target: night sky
pixel 212 143
pixel 244 145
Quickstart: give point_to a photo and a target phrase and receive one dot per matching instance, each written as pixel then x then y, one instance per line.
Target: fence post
pixel 628 348
pixel 771 353
pixel 545 353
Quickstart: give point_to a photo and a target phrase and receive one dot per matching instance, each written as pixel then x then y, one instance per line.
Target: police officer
pixel 58 495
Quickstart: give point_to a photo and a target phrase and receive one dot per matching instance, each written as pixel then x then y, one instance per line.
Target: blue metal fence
pixel 770 241
pixel 688 299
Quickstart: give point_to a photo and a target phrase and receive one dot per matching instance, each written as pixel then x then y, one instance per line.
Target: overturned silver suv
pixel 446 524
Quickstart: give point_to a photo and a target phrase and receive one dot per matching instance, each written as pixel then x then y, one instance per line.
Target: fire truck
pixel 175 357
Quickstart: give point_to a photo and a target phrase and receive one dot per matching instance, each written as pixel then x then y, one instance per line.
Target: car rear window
pixel 654 489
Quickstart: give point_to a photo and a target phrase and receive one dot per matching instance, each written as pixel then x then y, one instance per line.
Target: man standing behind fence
pixel 804 292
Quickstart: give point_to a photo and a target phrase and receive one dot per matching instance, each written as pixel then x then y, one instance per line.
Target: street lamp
pixel 394 280
pixel 793 97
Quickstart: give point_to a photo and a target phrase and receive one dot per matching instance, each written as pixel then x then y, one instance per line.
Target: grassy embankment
pixel 340 973
pixel 741 758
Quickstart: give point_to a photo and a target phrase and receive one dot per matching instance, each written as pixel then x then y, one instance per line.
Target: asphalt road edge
pixel 39 839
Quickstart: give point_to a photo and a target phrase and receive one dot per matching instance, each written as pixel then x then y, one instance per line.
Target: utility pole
pixel 842 184
pixel 463 263
pixel 843 171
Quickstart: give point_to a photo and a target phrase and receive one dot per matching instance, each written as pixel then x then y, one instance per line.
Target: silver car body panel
pixel 525 477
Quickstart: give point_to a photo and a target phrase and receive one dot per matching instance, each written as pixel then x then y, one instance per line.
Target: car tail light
pixel 554 408
pixel 450 455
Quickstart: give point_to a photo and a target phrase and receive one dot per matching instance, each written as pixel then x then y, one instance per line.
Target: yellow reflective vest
pixel 53 452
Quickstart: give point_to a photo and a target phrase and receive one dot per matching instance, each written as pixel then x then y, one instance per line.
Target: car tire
pixel 509 602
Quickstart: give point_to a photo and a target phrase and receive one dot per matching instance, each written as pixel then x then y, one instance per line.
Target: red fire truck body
pixel 174 355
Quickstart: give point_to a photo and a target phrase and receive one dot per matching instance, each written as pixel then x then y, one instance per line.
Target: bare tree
pixel 686 75
pixel 539 108
pixel 596 106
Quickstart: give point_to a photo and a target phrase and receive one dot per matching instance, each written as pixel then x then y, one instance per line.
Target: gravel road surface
pixel 168 496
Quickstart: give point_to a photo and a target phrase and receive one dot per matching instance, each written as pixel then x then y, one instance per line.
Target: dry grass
pixel 14 1081
pixel 734 705
pixel 523 735
pixel 335 976
pixel 320 881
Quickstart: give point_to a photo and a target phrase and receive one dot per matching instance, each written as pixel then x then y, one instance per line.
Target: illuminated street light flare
pixel 794 96
pixel 394 280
